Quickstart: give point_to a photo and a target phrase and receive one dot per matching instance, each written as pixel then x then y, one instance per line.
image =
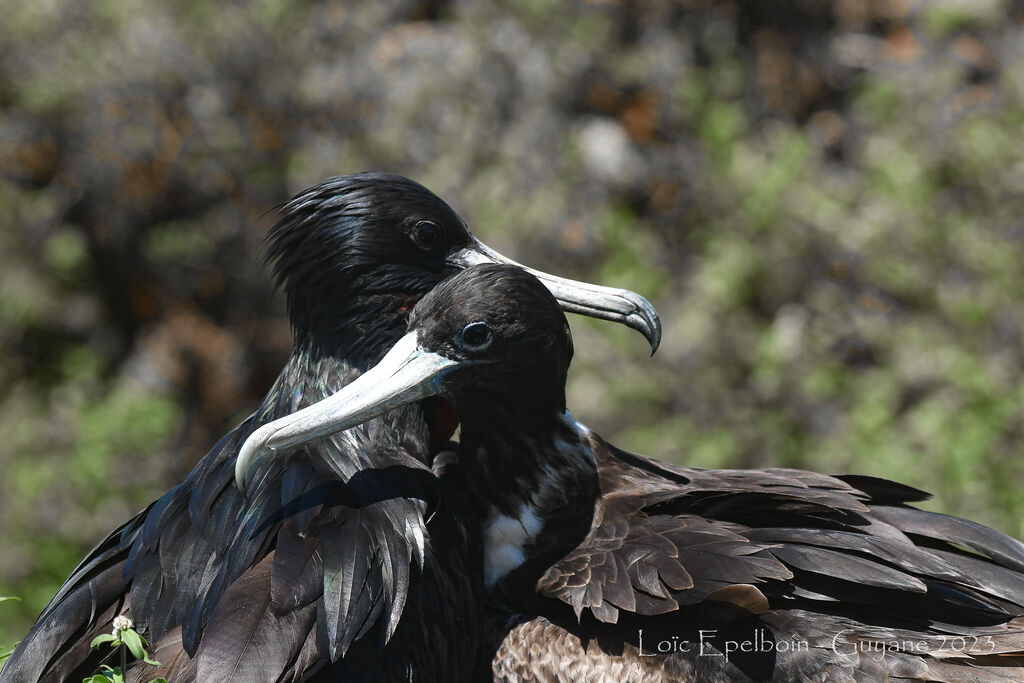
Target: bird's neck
pixel 535 484
pixel 308 378
pixel 355 330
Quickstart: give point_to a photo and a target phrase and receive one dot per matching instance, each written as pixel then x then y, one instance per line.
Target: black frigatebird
pixel 604 565
pixel 354 540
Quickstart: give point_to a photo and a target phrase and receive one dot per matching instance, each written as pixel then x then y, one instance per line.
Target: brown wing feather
pixel 652 565
pixel 829 555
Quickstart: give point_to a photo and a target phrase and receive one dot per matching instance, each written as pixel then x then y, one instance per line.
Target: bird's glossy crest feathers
pixel 348 257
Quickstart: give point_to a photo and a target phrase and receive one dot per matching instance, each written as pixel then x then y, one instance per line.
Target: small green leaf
pixel 158 680
pixel 134 643
pixel 105 638
pixel 110 675
pixel 5 598
pixel 151 662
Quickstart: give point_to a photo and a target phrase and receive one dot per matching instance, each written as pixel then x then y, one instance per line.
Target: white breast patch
pixel 504 540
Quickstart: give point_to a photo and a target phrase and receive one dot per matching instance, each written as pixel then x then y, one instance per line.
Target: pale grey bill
pixel 606 303
pixel 406 374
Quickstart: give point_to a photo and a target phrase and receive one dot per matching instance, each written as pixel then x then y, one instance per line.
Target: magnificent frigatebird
pixel 356 539
pixel 604 565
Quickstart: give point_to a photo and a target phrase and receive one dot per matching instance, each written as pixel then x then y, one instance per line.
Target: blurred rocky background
pixel 821 197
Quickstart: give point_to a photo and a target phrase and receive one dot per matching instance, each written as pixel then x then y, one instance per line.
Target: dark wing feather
pixel 57 646
pixel 847 567
pixel 884 491
pixel 904 554
pixel 353 592
pixel 652 565
pixel 987 576
pixel 297 576
pixel 175 664
pixel 247 640
pixel 244 544
pixel 949 530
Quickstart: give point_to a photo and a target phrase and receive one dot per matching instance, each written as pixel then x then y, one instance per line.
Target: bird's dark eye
pixel 425 234
pixel 475 336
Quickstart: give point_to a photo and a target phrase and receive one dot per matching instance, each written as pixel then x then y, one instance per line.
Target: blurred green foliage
pixel 822 199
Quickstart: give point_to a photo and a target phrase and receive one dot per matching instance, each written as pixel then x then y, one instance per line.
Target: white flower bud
pixel 121 623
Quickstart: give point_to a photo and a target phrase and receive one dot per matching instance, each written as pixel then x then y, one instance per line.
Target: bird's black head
pixel 509 337
pixel 355 253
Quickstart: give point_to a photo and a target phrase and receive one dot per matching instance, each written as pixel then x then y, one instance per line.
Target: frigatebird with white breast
pixel 601 565
pixel 353 562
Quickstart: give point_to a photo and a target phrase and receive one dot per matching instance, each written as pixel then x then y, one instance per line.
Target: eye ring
pixel 425 234
pixel 475 336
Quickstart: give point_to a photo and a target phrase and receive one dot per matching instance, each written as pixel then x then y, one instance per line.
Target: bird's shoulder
pixel 664 538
